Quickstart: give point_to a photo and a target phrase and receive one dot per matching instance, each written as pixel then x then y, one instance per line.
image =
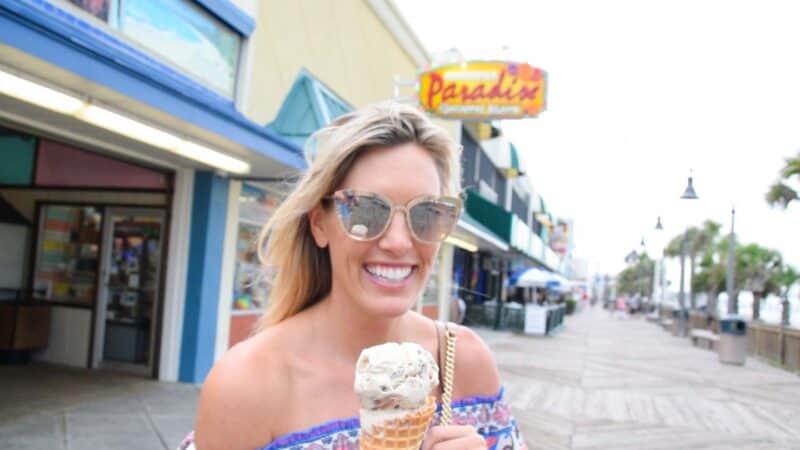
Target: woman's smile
pixel 390 276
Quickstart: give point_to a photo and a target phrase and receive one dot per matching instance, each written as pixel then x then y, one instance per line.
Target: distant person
pixel 621 308
pixel 347 255
pixel 634 303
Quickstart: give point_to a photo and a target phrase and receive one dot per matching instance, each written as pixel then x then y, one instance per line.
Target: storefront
pixel 91 250
pixel 127 141
pixel 257 202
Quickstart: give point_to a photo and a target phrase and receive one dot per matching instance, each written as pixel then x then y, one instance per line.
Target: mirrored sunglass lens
pixel 363 216
pixel 432 221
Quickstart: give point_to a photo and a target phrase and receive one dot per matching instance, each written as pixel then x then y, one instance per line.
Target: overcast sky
pixel 640 92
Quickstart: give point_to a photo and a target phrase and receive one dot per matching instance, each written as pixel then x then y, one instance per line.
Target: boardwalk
pixel 626 384
pixel 599 384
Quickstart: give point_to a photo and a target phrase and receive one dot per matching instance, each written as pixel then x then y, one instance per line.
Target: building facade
pixel 124 126
pixel 143 144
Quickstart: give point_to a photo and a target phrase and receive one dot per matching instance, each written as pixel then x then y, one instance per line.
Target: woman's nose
pixel 397 238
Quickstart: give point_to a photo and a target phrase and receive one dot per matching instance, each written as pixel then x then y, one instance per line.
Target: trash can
pixel 732 339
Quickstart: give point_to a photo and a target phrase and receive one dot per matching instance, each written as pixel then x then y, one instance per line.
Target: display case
pixel 67 256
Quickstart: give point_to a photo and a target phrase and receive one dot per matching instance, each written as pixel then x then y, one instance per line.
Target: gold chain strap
pixel 447 389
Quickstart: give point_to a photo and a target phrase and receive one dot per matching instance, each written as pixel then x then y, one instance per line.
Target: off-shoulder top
pixel 491 417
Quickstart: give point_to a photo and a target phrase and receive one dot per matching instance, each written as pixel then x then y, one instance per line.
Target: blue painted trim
pixel 47 32
pixel 204 273
pixel 230 14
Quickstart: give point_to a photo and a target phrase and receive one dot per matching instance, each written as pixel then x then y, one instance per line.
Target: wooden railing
pixel 703 321
pixel 776 344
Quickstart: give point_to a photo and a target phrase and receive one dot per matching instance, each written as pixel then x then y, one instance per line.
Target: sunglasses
pixel 366 216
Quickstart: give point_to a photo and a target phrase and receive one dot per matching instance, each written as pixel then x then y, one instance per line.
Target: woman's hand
pixel 453 437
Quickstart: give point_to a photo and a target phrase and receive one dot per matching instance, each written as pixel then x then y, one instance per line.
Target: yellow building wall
pixel 342 43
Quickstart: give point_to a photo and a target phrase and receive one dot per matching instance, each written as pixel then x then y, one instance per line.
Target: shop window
pixel 256 206
pixel 187 36
pixel 61 165
pixel 500 187
pixel 486 170
pixel 468 160
pixel 97 8
pixel 181 32
pixel 519 206
pixel 67 256
pixel 16 158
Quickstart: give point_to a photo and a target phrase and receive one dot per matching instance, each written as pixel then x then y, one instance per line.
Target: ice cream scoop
pixel 397 376
pixel 394 383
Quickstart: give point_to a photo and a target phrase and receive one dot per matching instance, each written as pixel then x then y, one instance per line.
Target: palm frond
pixel 780 194
pixel 792 167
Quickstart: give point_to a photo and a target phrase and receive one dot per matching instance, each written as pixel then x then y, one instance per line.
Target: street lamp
pixel 642 270
pixel 688 194
pixel 733 305
pixel 658 264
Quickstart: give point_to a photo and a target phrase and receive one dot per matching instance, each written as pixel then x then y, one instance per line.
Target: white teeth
pixel 390 273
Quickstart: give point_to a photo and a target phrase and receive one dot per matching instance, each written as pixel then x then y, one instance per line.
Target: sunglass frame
pixel 406 209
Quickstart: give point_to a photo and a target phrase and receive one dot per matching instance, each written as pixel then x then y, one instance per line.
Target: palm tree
pixel 711 277
pixel 761 270
pixel 699 241
pixel 637 277
pixel 789 277
pixel 780 193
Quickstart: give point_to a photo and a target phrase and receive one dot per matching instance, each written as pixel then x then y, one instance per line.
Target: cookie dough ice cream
pixel 394 383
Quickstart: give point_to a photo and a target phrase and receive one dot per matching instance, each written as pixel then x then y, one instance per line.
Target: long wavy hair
pixel 296 270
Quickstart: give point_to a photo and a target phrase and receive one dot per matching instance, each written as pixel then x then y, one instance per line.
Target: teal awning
pixel 490 215
pixel 309 106
pixel 474 227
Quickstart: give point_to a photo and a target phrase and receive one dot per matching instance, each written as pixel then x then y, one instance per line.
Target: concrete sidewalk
pixel 48 408
pixel 604 383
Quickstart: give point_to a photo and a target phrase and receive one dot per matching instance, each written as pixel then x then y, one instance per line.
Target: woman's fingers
pixel 453 437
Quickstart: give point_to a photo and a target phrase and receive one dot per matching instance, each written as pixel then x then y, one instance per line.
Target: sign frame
pixel 483 90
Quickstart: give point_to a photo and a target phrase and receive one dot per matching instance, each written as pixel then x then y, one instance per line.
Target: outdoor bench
pixel 704 339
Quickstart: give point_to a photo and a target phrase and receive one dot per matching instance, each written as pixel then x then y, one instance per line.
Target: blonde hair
pixel 297 271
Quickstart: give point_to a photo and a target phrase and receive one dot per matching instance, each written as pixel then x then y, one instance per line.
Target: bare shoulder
pixel 242 393
pixel 475 368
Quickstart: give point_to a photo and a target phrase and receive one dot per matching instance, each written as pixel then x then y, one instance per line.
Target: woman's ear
pixel 319 229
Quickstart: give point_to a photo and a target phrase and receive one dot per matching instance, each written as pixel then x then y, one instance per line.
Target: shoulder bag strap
pixel 447 360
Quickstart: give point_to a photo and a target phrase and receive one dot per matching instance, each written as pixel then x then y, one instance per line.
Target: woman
pixel 347 255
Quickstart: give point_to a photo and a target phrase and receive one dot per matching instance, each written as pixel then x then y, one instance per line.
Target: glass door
pixel 129 291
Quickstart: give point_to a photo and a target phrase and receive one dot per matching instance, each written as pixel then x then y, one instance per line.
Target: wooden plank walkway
pixel 606 383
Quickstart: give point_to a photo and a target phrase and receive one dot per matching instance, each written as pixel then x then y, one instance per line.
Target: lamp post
pixel 642 270
pixel 688 194
pixel 658 264
pixel 733 305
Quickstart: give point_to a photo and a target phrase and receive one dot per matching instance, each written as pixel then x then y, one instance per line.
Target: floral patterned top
pixel 491 416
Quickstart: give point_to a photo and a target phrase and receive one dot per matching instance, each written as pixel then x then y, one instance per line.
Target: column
pixel 204 276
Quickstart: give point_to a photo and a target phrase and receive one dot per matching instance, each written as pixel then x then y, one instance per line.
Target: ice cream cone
pixel 402 433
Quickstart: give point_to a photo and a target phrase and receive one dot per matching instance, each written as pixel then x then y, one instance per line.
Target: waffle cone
pixel 404 433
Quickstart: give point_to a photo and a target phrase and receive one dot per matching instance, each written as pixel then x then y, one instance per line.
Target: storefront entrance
pixel 84 274
pixel 130 274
